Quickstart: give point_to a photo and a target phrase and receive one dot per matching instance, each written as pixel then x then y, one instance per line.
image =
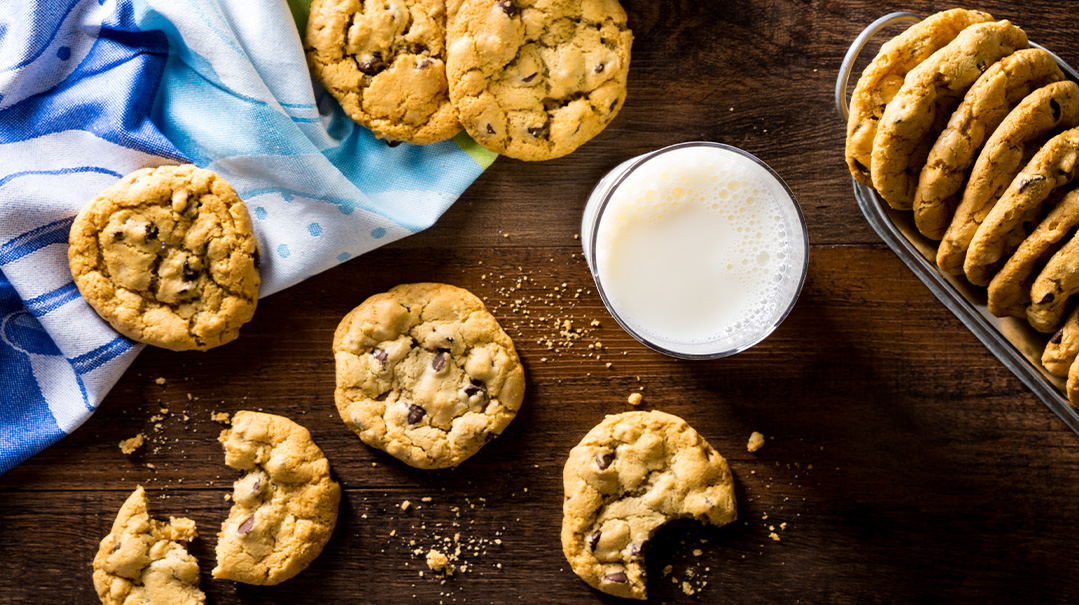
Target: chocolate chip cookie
pixel 167 256
pixel 883 77
pixel 1020 208
pixel 1062 349
pixel 1073 384
pixel 285 504
pixel 1010 147
pixel 984 107
pixel 535 79
pixel 920 110
pixel 630 475
pixel 385 62
pixel 143 560
pixel 425 373
pixel 1055 285
pixel 1009 291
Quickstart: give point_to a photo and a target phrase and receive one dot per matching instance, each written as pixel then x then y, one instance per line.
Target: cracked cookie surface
pixel 630 475
pixel 920 110
pixel 425 373
pixel 883 77
pixel 285 504
pixel 995 93
pixel 143 560
pixel 1055 165
pixel 1012 144
pixel 385 62
pixel 536 79
pixel 167 256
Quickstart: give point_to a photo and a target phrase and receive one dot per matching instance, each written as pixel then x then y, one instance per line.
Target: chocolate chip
pixel 508 8
pixel 604 460
pixel 424 63
pixel 256 486
pixel 861 167
pixel 982 66
pixel 1057 337
pixel 246 526
pixel 390 143
pixel 616 577
pixel 599 68
pixel 415 413
pixel 1048 298
pixel 439 361
pixel 529 78
pixel 189 273
pixel 1034 179
pixel 1056 109
pixel 374 65
pixel 151 232
pixel 381 356
pixel 258 258
pixel 117 546
pixel 490 130
pixel 117 235
pixel 489 437
pixel 536 131
pixel 593 540
pixel 472 389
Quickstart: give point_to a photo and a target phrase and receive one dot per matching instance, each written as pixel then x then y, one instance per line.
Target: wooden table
pixel 905 462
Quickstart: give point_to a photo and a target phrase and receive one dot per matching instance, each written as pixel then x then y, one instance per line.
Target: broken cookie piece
pixel 285 504
pixel 146 561
pixel 629 476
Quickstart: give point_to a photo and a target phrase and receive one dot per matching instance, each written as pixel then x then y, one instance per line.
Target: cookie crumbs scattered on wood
pixel 756 442
pixel 222 417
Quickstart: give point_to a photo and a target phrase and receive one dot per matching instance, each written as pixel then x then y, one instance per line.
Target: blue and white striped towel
pixel 93 89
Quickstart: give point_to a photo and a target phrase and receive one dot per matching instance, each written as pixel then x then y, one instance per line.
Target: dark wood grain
pixel 907 463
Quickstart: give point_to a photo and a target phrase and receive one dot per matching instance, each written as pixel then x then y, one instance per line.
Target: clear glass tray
pixel 1018 346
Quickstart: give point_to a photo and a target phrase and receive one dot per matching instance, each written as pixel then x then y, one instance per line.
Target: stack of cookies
pixel 530 79
pixel 959 121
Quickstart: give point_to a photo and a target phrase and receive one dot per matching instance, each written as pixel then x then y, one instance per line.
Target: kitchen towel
pixel 91 90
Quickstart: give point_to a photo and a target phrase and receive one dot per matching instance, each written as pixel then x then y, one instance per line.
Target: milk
pixel 699 249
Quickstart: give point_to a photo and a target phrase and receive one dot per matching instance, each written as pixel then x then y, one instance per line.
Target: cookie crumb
pixel 635 399
pixel 697 552
pixel 756 442
pixel 128 446
pixel 686 588
pixel 438 562
pixel 774 536
pixel 668 569
pixel 161 380
pixel 222 417
pixel 405 505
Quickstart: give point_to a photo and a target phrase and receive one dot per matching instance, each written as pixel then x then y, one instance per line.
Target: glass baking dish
pixel 1018 346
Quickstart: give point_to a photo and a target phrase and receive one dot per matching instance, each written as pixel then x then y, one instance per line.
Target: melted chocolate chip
pixel 117 235
pixel 1034 179
pixel 1057 337
pixel 490 129
pixel 472 389
pixel 246 526
pixel 415 413
pixel 424 63
pixel 536 131
pixel 189 273
pixel 151 232
pixel 1047 299
pixel 258 258
pixel 381 356
pixel 530 78
pixel 616 577
pixel 593 540
pixel 1056 109
pixel 372 66
pixel 599 68
pixel 439 361
pixel 604 460
pixel 390 143
pixel 508 8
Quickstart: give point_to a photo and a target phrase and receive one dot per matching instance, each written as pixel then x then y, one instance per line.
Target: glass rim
pixel 637 163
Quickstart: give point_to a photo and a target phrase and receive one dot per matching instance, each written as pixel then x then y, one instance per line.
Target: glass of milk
pixel 699 250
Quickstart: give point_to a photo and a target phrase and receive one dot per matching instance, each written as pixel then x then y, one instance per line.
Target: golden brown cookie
pixel 1009 148
pixel 536 79
pixel 425 373
pixel 284 506
pixel 1009 291
pixel 920 110
pixel 882 78
pixel 631 474
pixel 1020 208
pixel 1062 349
pixel 1055 285
pixel 143 560
pixel 986 104
pixel 385 62
pixel 1073 384
pixel 167 256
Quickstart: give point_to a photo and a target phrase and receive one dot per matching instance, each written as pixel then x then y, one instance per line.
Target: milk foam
pixel 693 247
